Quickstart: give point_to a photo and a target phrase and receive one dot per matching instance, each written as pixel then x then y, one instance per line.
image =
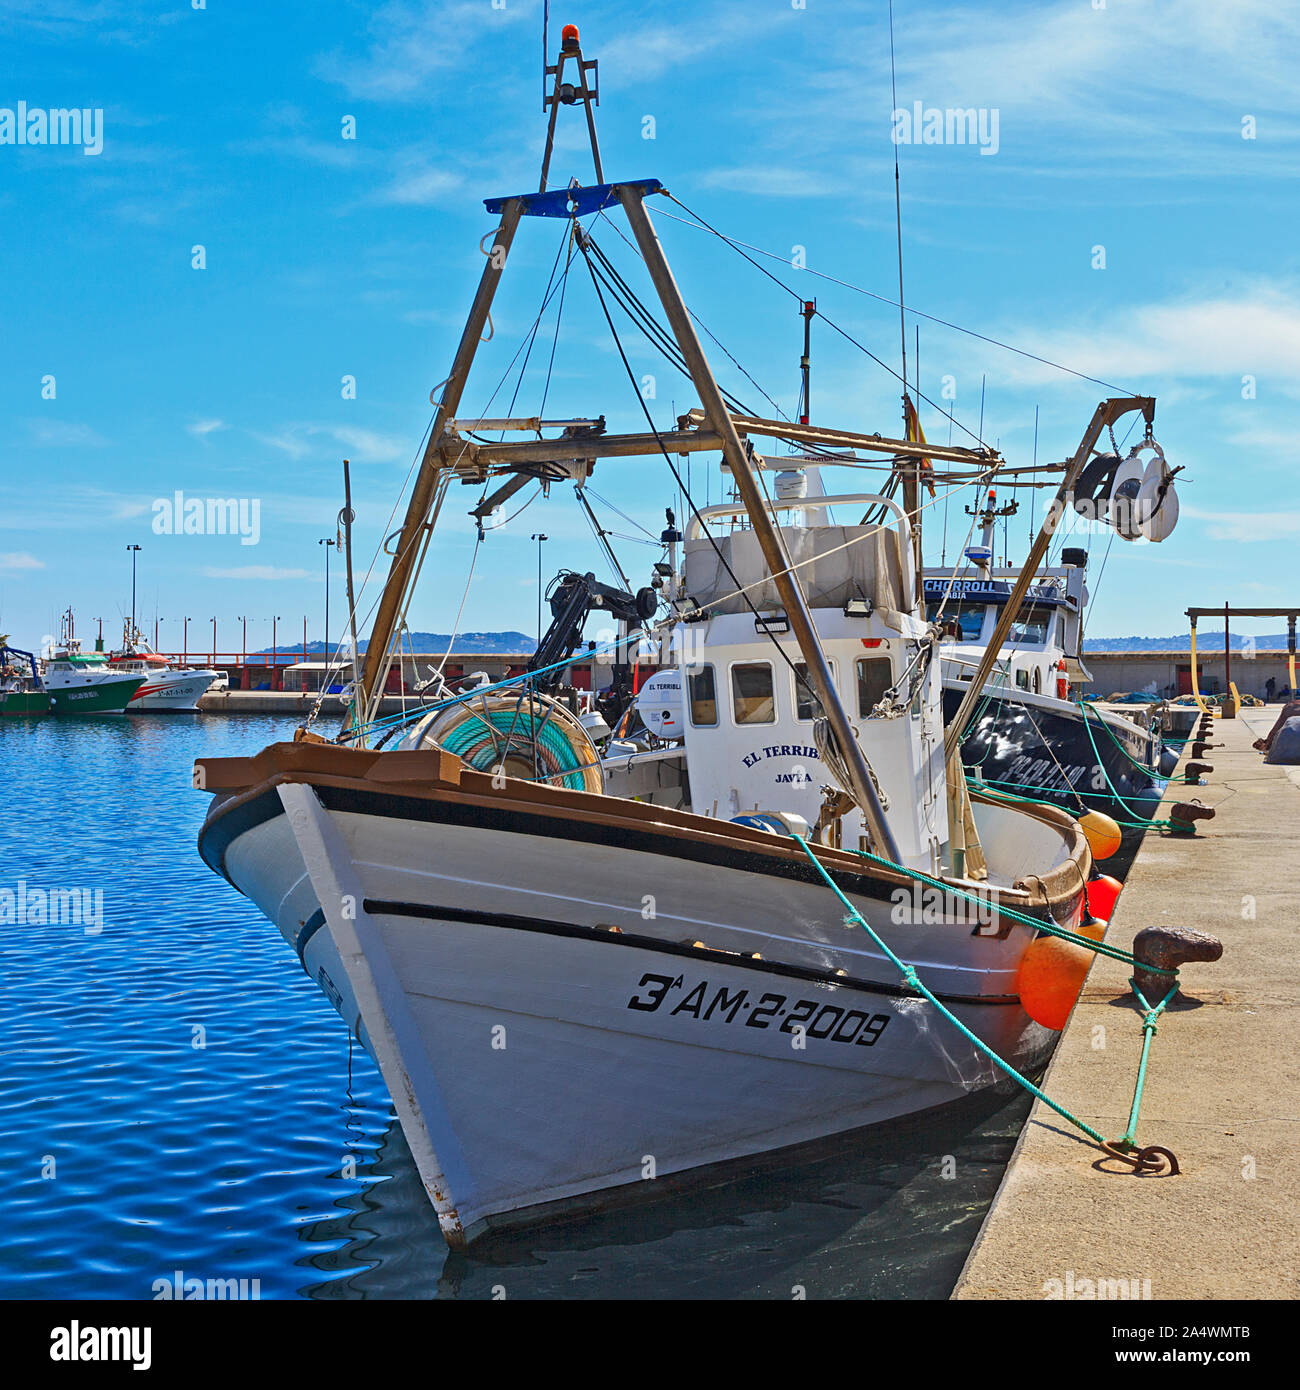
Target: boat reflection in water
pixel 872 1215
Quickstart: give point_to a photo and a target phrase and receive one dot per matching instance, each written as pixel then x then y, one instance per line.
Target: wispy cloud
pixel 415 47
pixel 652 50
pixel 1250 331
pixel 1247 526
pixel 367 446
pixel 418 183
pixel 1040 67
pixel 256 572
pixel 20 560
pixel 200 429
pixel 63 434
pixel 773 181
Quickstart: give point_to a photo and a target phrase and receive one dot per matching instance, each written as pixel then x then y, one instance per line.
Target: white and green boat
pixel 83 682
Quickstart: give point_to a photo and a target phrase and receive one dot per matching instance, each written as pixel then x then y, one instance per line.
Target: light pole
pixel 328 544
pixel 156 622
pixel 134 549
pixel 539 537
pixel 214 642
pixel 185 643
pixel 274 620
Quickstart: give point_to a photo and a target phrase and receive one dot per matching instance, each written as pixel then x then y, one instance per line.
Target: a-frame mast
pixel 573 202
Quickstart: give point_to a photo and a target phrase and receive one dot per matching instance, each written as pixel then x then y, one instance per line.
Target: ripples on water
pixel 200 1108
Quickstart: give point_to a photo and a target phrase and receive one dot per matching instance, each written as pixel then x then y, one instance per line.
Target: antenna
pixel 898 204
pixel 808 308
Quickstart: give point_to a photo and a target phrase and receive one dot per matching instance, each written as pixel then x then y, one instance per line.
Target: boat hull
pixel 1030 749
pixel 20 704
pixel 176 692
pixel 582 1016
pixel 99 697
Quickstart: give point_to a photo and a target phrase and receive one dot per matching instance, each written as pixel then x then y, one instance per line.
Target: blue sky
pixel 1118 127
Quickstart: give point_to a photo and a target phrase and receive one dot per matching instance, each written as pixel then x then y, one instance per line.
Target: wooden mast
pixel 796 608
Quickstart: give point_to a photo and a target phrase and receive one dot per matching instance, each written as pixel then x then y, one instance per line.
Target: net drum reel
pixel 1157 507
pixel 1134 495
pixel 1091 495
pixel 534 738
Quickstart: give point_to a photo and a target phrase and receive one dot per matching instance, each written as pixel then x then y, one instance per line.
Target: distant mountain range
pixel 1208 641
pixel 514 643
pixel 435 643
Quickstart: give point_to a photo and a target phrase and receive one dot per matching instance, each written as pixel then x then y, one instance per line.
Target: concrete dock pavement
pixel 1223 1081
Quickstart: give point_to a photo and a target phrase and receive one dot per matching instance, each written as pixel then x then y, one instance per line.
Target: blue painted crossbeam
pixel 573 202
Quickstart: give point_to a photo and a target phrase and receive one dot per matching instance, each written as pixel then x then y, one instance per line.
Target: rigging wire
pixel 537 323
pixel 735 246
pixel 706 330
pixel 469 579
pixel 631 521
pixel 559 315
pixel 701 225
pixel 717 549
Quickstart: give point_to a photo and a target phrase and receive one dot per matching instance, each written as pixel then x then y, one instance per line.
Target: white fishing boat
pixel 165 687
pixel 586 974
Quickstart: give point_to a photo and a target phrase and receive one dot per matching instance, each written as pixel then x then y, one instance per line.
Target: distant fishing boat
pixel 84 682
pixel 1030 735
pixel 165 687
pixel 581 970
pixel 22 692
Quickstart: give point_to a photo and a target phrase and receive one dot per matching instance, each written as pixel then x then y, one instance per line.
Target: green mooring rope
pixel 1101 947
pixel 1149 1017
pixel 913 980
pixel 994 787
pixel 1087 725
pixel 1085 706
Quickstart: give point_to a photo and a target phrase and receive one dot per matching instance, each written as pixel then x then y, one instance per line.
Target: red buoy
pixel 1102 892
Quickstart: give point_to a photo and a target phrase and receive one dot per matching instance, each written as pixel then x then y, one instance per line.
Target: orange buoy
pixel 1104 834
pixel 1051 975
pixel 1101 894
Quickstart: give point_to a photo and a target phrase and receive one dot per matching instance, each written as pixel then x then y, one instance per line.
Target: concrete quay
pixel 1223 1082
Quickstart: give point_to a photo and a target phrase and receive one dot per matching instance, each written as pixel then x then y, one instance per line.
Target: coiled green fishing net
pixel 517 732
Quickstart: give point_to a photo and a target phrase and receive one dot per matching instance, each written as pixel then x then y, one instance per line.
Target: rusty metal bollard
pixel 1167 948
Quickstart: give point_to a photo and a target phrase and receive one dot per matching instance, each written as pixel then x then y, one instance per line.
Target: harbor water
pixel 180 1103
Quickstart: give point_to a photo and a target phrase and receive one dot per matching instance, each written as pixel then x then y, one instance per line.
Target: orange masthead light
pixel 569 35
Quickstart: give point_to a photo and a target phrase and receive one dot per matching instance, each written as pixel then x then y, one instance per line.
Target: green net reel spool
pixel 537 740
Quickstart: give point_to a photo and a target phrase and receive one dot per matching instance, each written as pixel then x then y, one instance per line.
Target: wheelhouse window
pixel 969 617
pixel 1031 628
pixel 875 676
pixel 806 704
pixel 1022 679
pixel 703 696
pixel 753 698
